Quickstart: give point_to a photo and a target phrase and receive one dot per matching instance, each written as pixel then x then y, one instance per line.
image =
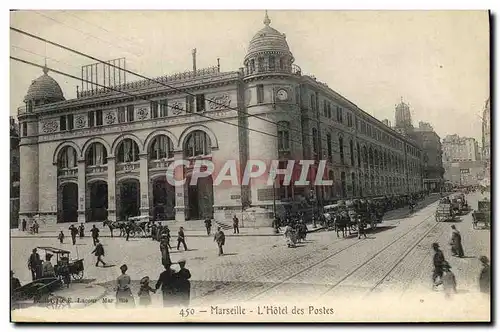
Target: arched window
pixel 375 158
pixel 315 141
pixel 283 136
pixel 342 179
pixel 313 102
pixel 370 157
pixel 161 147
pixel 351 151
pixel 252 66
pixel 365 157
pixel 128 151
pixel 272 62
pixel 282 64
pixel 96 155
pixel 198 144
pixel 359 154
pixel 67 158
pixel 261 63
pixel 353 181
pixel 341 150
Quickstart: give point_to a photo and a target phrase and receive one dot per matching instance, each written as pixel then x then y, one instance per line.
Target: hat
pixel 48 256
pixel 124 267
pixel 484 259
pixel 435 245
pixel 145 280
pixel 34 250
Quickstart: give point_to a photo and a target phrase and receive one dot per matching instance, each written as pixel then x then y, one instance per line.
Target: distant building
pixel 465 173
pixel 403 116
pixel 14 172
pixel 430 144
pixel 386 122
pixel 456 149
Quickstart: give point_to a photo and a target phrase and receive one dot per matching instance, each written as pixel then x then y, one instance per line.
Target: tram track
pixel 310 266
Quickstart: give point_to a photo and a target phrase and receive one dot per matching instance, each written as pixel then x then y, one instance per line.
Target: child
pixel 449 281
pixel 61 237
pixel 144 297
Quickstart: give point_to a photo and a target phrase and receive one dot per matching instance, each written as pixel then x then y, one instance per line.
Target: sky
pixel 437 61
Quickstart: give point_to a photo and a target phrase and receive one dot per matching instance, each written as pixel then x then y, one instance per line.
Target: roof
pixel 44 88
pixel 54 250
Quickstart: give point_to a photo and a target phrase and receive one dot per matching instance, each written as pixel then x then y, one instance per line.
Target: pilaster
pixel 81 191
pixel 111 188
pixel 180 190
pixel 144 183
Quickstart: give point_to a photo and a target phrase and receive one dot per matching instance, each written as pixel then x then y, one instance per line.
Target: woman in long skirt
pixel 124 297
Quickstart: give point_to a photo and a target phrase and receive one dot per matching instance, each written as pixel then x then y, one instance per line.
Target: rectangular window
pixel 91 119
pixel 329 110
pixel 163 108
pixel 315 141
pixel 121 114
pixel 70 121
pixel 313 102
pixel 357 124
pixel 329 146
pixel 130 113
pixel 261 63
pixel 260 93
pixel 200 103
pixel 98 117
pixel 154 109
pixel 25 129
pixel 325 109
pixel 297 94
pixel 62 123
pixel 189 104
pixel 272 62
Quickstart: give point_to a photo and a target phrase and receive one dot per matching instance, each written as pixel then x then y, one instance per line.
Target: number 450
pixel 186 312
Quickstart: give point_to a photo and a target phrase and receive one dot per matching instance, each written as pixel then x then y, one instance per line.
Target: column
pixel 144 181
pixel 82 187
pixel 111 189
pixel 180 191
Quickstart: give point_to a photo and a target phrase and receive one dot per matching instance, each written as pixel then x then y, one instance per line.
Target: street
pixel 362 280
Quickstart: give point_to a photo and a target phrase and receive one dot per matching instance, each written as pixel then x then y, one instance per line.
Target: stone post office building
pixel 104 154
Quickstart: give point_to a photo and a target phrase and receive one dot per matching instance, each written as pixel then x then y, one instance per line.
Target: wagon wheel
pixel 132 233
pixel 78 275
pixel 354 227
pixel 58 302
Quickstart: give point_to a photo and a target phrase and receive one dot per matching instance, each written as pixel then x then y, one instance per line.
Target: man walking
pixel 220 238
pixel 236 222
pixel 95 234
pixel 485 276
pixel 99 252
pixel 181 239
pixel 438 261
pixel 81 229
pixel 35 265
pixel 165 254
pixel 208 225
pixel 73 231
pixel 23 225
pixel 456 243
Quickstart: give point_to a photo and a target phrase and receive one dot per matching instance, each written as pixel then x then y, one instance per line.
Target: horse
pixel 342 223
pixel 114 225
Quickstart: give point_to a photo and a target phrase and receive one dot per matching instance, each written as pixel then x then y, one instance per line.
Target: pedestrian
pixel 361 226
pixel 449 281
pixel 23 225
pixel 165 254
pixel 81 229
pixel 183 285
pixel 47 268
pixel 154 229
pixel 236 222
pixel 14 282
pixel 166 281
pixel 99 252
pixel 220 238
pixel 35 227
pixel 456 243
pixel 181 239
pixel 74 232
pixel 144 296
pixel 63 270
pixel 95 234
pixel 208 225
pixel 35 265
pixel 438 261
pixel 124 297
pixel 61 237
pixel 128 228
pixel 485 276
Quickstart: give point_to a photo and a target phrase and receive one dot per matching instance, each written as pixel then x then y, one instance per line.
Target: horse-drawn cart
pixel 39 293
pixel 444 212
pixel 63 260
pixel 482 215
pixel 139 226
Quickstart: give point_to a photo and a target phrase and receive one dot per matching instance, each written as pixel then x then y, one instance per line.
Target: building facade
pixel 14 173
pixel 486 137
pixel 465 173
pixel 430 142
pixel 104 154
pixel 456 148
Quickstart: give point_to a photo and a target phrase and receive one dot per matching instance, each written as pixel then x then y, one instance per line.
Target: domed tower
pixel 43 90
pixel 403 116
pixel 268 52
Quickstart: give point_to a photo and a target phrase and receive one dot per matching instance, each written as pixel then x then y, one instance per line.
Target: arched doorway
pixel 163 199
pixel 98 197
pixel 129 200
pixel 68 202
pixel 201 198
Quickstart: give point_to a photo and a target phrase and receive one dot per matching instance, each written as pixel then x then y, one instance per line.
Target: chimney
pixel 194 60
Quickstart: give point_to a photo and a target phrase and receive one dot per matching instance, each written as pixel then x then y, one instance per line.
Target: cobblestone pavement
pixel 392 262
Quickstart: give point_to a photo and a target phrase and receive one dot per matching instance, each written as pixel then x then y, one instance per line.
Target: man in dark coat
pixel 99 252
pixel 208 225
pixel 220 238
pixel 456 243
pixel 95 234
pixel 485 276
pixel 23 225
pixel 165 254
pixel 166 281
pixel 181 238
pixel 35 265
pixel 236 225
pixel 81 229
pixel 438 261
pixel 73 231
pixel 183 285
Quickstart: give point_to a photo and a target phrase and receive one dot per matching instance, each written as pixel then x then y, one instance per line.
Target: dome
pixel 44 88
pixel 268 40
